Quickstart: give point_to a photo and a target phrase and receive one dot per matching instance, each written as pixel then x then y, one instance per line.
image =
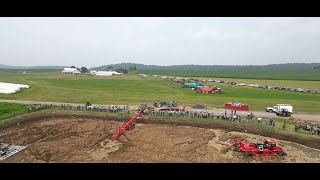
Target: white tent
pixel 8 88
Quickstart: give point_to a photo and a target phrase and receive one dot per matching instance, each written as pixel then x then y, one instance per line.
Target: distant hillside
pixel 271 67
pixel 2 66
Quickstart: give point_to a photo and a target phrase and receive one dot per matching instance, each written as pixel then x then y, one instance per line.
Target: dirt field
pixel 89 140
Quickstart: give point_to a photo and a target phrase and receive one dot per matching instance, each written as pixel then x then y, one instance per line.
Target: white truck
pixel 279 107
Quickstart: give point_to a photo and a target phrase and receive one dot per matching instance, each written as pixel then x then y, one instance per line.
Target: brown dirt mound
pixel 89 140
pixel 83 138
pixel 311 142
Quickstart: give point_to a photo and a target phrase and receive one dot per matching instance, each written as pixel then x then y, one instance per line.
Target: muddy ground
pixel 89 140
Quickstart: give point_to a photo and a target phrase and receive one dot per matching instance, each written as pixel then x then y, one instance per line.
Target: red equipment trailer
pixel 205 90
pixel 267 148
pixel 236 106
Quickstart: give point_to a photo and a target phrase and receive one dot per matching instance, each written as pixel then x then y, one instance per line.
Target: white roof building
pixel 71 70
pixel 105 73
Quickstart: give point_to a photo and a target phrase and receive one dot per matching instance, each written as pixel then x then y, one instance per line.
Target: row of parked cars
pixel 314 91
pixel 263 86
pixel 216 81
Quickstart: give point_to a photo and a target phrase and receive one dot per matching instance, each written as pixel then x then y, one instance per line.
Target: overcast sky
pixel 98 41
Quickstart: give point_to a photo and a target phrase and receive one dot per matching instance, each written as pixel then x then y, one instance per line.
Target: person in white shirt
pixel 259 119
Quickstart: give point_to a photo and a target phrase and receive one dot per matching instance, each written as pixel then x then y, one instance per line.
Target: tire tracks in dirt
pixel 311 142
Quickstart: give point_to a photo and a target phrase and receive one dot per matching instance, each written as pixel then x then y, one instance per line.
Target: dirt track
pixel 88 140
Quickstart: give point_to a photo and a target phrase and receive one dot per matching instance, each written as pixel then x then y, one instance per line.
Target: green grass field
pixel 134 90
pixel 8 110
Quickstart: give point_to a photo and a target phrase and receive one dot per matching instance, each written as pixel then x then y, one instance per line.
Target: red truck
pixel 236 106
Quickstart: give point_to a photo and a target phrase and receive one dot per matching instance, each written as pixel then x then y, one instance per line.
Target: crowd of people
pixel 37 107
pixel 250 118
pixel 116 108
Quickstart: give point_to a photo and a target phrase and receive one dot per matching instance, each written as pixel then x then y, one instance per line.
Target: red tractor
pixel 267 148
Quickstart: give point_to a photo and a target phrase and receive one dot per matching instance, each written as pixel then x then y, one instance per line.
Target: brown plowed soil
pixel 80 139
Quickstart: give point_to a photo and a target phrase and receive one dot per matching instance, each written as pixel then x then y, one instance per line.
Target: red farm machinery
pixel 205 90
pixel 130 124
pixel 236 106
pixel 213 90
pixel 267 148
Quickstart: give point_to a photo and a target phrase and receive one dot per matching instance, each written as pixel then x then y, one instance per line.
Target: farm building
pixel 165 78
pixel 105 73
pixel 71 70
pixel 143 75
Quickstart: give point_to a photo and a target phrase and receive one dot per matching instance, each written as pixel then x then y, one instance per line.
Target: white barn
pixel 105 73
pixel 71 70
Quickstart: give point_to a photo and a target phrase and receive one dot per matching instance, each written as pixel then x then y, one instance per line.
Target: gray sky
pixel 98 41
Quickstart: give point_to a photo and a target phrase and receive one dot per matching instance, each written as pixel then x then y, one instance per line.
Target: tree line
pixel 316 67
pixel 192 67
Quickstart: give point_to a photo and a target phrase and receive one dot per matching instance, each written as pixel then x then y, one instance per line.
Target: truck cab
pixel 272 109
pixel 281 109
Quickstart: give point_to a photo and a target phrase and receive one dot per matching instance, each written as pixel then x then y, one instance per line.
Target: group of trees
pixel 133 68
pixel 316 67
pixel 190 67
pixel 121 70
pixel 82 69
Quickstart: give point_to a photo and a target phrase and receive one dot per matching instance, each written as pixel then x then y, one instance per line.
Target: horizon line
pixel 156 65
